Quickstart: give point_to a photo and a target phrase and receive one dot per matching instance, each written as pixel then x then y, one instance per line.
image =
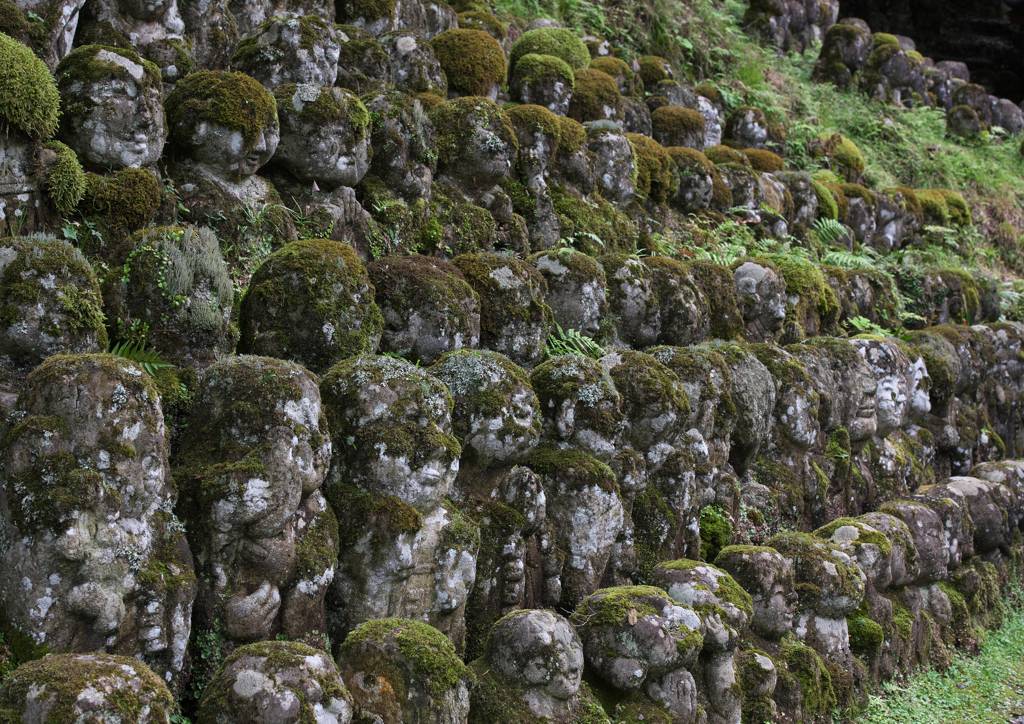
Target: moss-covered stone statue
pixel 290 50
pixel 223 126
pixel 93 557
pixel 323 154
pixel 282 682
pixel 253 458
pixel 327 313
pixel 63 687
pixel 141 23
pixel 404 671
pixel 534 665
pixel 111 102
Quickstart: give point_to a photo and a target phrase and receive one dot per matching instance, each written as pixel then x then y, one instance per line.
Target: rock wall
pixel 470 449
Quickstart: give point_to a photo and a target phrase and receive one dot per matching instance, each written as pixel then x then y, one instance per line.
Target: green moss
pixel 232 100
pixel 706 90
pixel 812 676
pixel 431 653
pixel 579 218
pixel 82 65
pixel 856 191
pixel 827 207
pixel 559 42
pixel 764 161
pixel 386 515
pixel 715 532
pixel 933 203
pixel 674 121
pixel 690 161
pixel 959 213
pixel 65 182
pixel 866 534
pixel 263 45
pixel 816 297
pixel 968 288
pixel 721 194
pixel 349 11
pixel 576 469
pixel 612 606
pixel 595 91
pixel 475 20
pixel 655 178
pixel 629 83
pixel 127 200
pixel 538 119
pixel 458 121
pixel 336 105
pixel 472 60
pixel 885 39
pixel 533 70
pixel 720 155
pixel 842 150
pixel 654 69
pixel 28 95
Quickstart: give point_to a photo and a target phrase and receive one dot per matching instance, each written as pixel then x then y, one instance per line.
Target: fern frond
pixel 572 342
pixel 148 359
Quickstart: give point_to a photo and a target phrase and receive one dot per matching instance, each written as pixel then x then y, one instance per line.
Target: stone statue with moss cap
pixel 112 114
pixel 141 21
pixel 223 127
pixel 324 152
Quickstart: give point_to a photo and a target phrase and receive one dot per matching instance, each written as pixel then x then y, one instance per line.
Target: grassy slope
pixel 985 688
pixel 901 147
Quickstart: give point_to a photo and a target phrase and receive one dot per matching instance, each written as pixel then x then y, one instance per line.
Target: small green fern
pixel 572 342
pixel 828 231
pixel 148 359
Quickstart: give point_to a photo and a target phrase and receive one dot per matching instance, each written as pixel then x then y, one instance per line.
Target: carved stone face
pixel 329 154
pixel 123 120
pixel 224 153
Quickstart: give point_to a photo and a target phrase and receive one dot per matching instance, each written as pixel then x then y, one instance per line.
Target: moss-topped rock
pixel 654 404
pixel 654 69
pixel 51 301
pixel 234 101
pixel 289 50
pixel 29 100
pixel 123 203
pixel 827 580
pixel 596 97
pixel 109 687
pixel 476 143
pixel 635 634
pixel 655 177
pixel 767 576
pixel 843 153
pixel 630 84
pixel 576 289
pixel 364 66
pixel 696 179
pixel 684 309
pixel 289 313
pixel 428 307
pixel 514 318
pixel 404 671
pixel 579 404
pixel 712 593
pixel 496 413
pixel 746 127
pixel 472 60
pixel 559 42
pixel 290 679
pixel 543 80
pixel 633 301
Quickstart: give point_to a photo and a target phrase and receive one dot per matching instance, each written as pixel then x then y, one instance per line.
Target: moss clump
pixel 595 98
pixel 533 69
pixel 430 653
pixel 264 45
pixel 674 122
pixel 841 150
pixel 350 11
pixel 654 69
pixel 856 191
pixel 764 161
pixel 537 119
pixel 65 181
pixel 817 305
pixel 476 20
pixel 706 90
pixel 933 203
pixel 655 178
pixel 559 42
pixel 613 606
pixel 28 94
pixel 232 100
pixel 806 670
pixel 968 289
pixel 629 83
pixel 690 161
pixel 472 60
pixel 866 636
pixel 721 194
pixel 715 532
pixel 83 65
pixel 719 289
pixel 827 206
pixel 881 39
pixel 579 218
pixel 720 155
pixel 127 201
pixel 959 213
pixel 578 469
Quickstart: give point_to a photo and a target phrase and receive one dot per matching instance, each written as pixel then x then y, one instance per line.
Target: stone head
pixel 224 122
pixel 325 135
pixel 112 115
pixel 539 651
pixel 477 144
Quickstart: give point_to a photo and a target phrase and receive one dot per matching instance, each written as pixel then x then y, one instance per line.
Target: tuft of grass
pixel 986 688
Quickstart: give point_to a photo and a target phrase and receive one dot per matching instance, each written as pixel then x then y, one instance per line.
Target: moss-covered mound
pixel 654 69
pixel 472 60
pixel 353 11
pixel 764 161
pixel 558 42
pixel 596 97
pixel 655 177
pixel 232 100
pixel 65 179
pixel 476 20
pixel 92 63
pixel 630 84
pixel 29 100
pixel 311 302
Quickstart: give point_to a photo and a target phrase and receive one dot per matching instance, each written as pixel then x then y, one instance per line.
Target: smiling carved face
pixel 225 154
pixel 124 128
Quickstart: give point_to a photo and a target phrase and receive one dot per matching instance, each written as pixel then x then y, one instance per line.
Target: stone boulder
pixel 276 682
pixel 633 303
pixel 762 291
pixel 767 576
pixel 292 50
pixel 576 289
pixel 579 405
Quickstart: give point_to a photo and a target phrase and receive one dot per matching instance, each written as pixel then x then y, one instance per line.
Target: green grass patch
pixel 988 687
